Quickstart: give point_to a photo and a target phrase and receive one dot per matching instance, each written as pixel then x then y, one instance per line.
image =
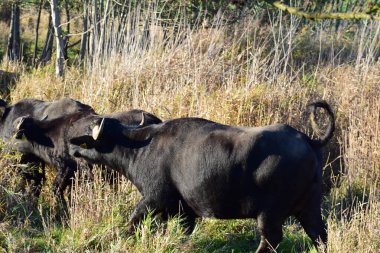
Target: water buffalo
pixel 200 168
pixel 47 139
pixel 40 110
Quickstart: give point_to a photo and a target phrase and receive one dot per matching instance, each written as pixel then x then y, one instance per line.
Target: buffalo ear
pixel 3 107
pixel 2 111
pixel 138 133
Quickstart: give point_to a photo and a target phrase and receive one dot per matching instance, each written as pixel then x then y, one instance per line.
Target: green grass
pixel 210 235
pixel 224 236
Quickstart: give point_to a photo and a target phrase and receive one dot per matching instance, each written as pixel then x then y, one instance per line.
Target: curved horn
pixel 19 124
pixel 142 119
pixel 97 130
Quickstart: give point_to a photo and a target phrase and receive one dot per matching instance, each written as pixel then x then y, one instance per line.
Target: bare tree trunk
pixel 101 6
pixel 68 16
pixel 96 25
pixel 111 37
pixel 37 29
pixel 145 38
pixel 13 47
pixel 83 44
pixel 121 26
pixel 66 38
pixel 103 32
pixel 59 68
pixel 48 45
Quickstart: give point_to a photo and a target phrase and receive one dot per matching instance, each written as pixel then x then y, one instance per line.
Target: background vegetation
pixel 235 62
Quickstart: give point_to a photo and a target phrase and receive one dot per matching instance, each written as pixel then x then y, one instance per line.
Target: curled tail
pixel 323 139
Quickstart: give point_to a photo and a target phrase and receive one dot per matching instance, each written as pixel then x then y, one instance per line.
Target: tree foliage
pixel 370 12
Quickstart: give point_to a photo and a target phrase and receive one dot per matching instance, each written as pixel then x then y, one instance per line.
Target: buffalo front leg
pixel 33 175
pixel 61 181
pixel 140 212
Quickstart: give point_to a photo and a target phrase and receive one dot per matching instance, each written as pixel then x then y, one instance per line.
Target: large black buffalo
pixel 43 111
pixel 200 168
pixel 47 139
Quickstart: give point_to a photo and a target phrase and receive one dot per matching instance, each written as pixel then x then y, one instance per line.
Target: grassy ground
pixel 246 74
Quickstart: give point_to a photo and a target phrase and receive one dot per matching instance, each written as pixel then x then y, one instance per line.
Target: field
pixel 249 74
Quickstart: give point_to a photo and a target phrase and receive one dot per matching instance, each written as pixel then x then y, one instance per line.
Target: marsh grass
pixel 249 74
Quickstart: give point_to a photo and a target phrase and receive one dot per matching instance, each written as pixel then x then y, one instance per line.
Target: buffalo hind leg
pixel 186 214
pixel 271 233
pixel 314 226
pixel 179 208
pixel 188 223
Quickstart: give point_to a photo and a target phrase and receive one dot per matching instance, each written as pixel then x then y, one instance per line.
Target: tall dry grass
pixel 248 74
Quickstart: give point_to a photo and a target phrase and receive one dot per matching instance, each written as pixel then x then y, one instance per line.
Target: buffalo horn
pixel 142 119
pixel 97 130
pixel 19 124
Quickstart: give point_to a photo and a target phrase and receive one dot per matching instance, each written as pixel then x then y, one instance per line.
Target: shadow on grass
pixel 231 243
pixel 292 242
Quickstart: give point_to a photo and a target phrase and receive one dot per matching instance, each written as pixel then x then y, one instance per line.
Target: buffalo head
pixel 28 131
pixel 101 135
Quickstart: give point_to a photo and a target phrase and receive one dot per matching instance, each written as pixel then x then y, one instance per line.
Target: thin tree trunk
pixel 66 38
pixel 103 32
pixel 37 29
pixel 10 37
pixel 48 44
pixel 145 38
pixel 111 37
pixel 121 26
pixel 96 25
pixel 101 6
pixel 90 35
pixel 68 16
pixel 59 68
pixel 13 48
pixel 83 44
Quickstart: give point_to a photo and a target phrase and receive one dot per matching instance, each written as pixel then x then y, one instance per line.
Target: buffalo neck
pixel 132 154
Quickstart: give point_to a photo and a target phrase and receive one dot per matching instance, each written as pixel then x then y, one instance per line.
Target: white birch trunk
pixel 59 67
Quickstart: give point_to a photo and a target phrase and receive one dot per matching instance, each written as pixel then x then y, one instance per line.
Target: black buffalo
pixel 200 168
pixel 47 139
pixel 40 110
